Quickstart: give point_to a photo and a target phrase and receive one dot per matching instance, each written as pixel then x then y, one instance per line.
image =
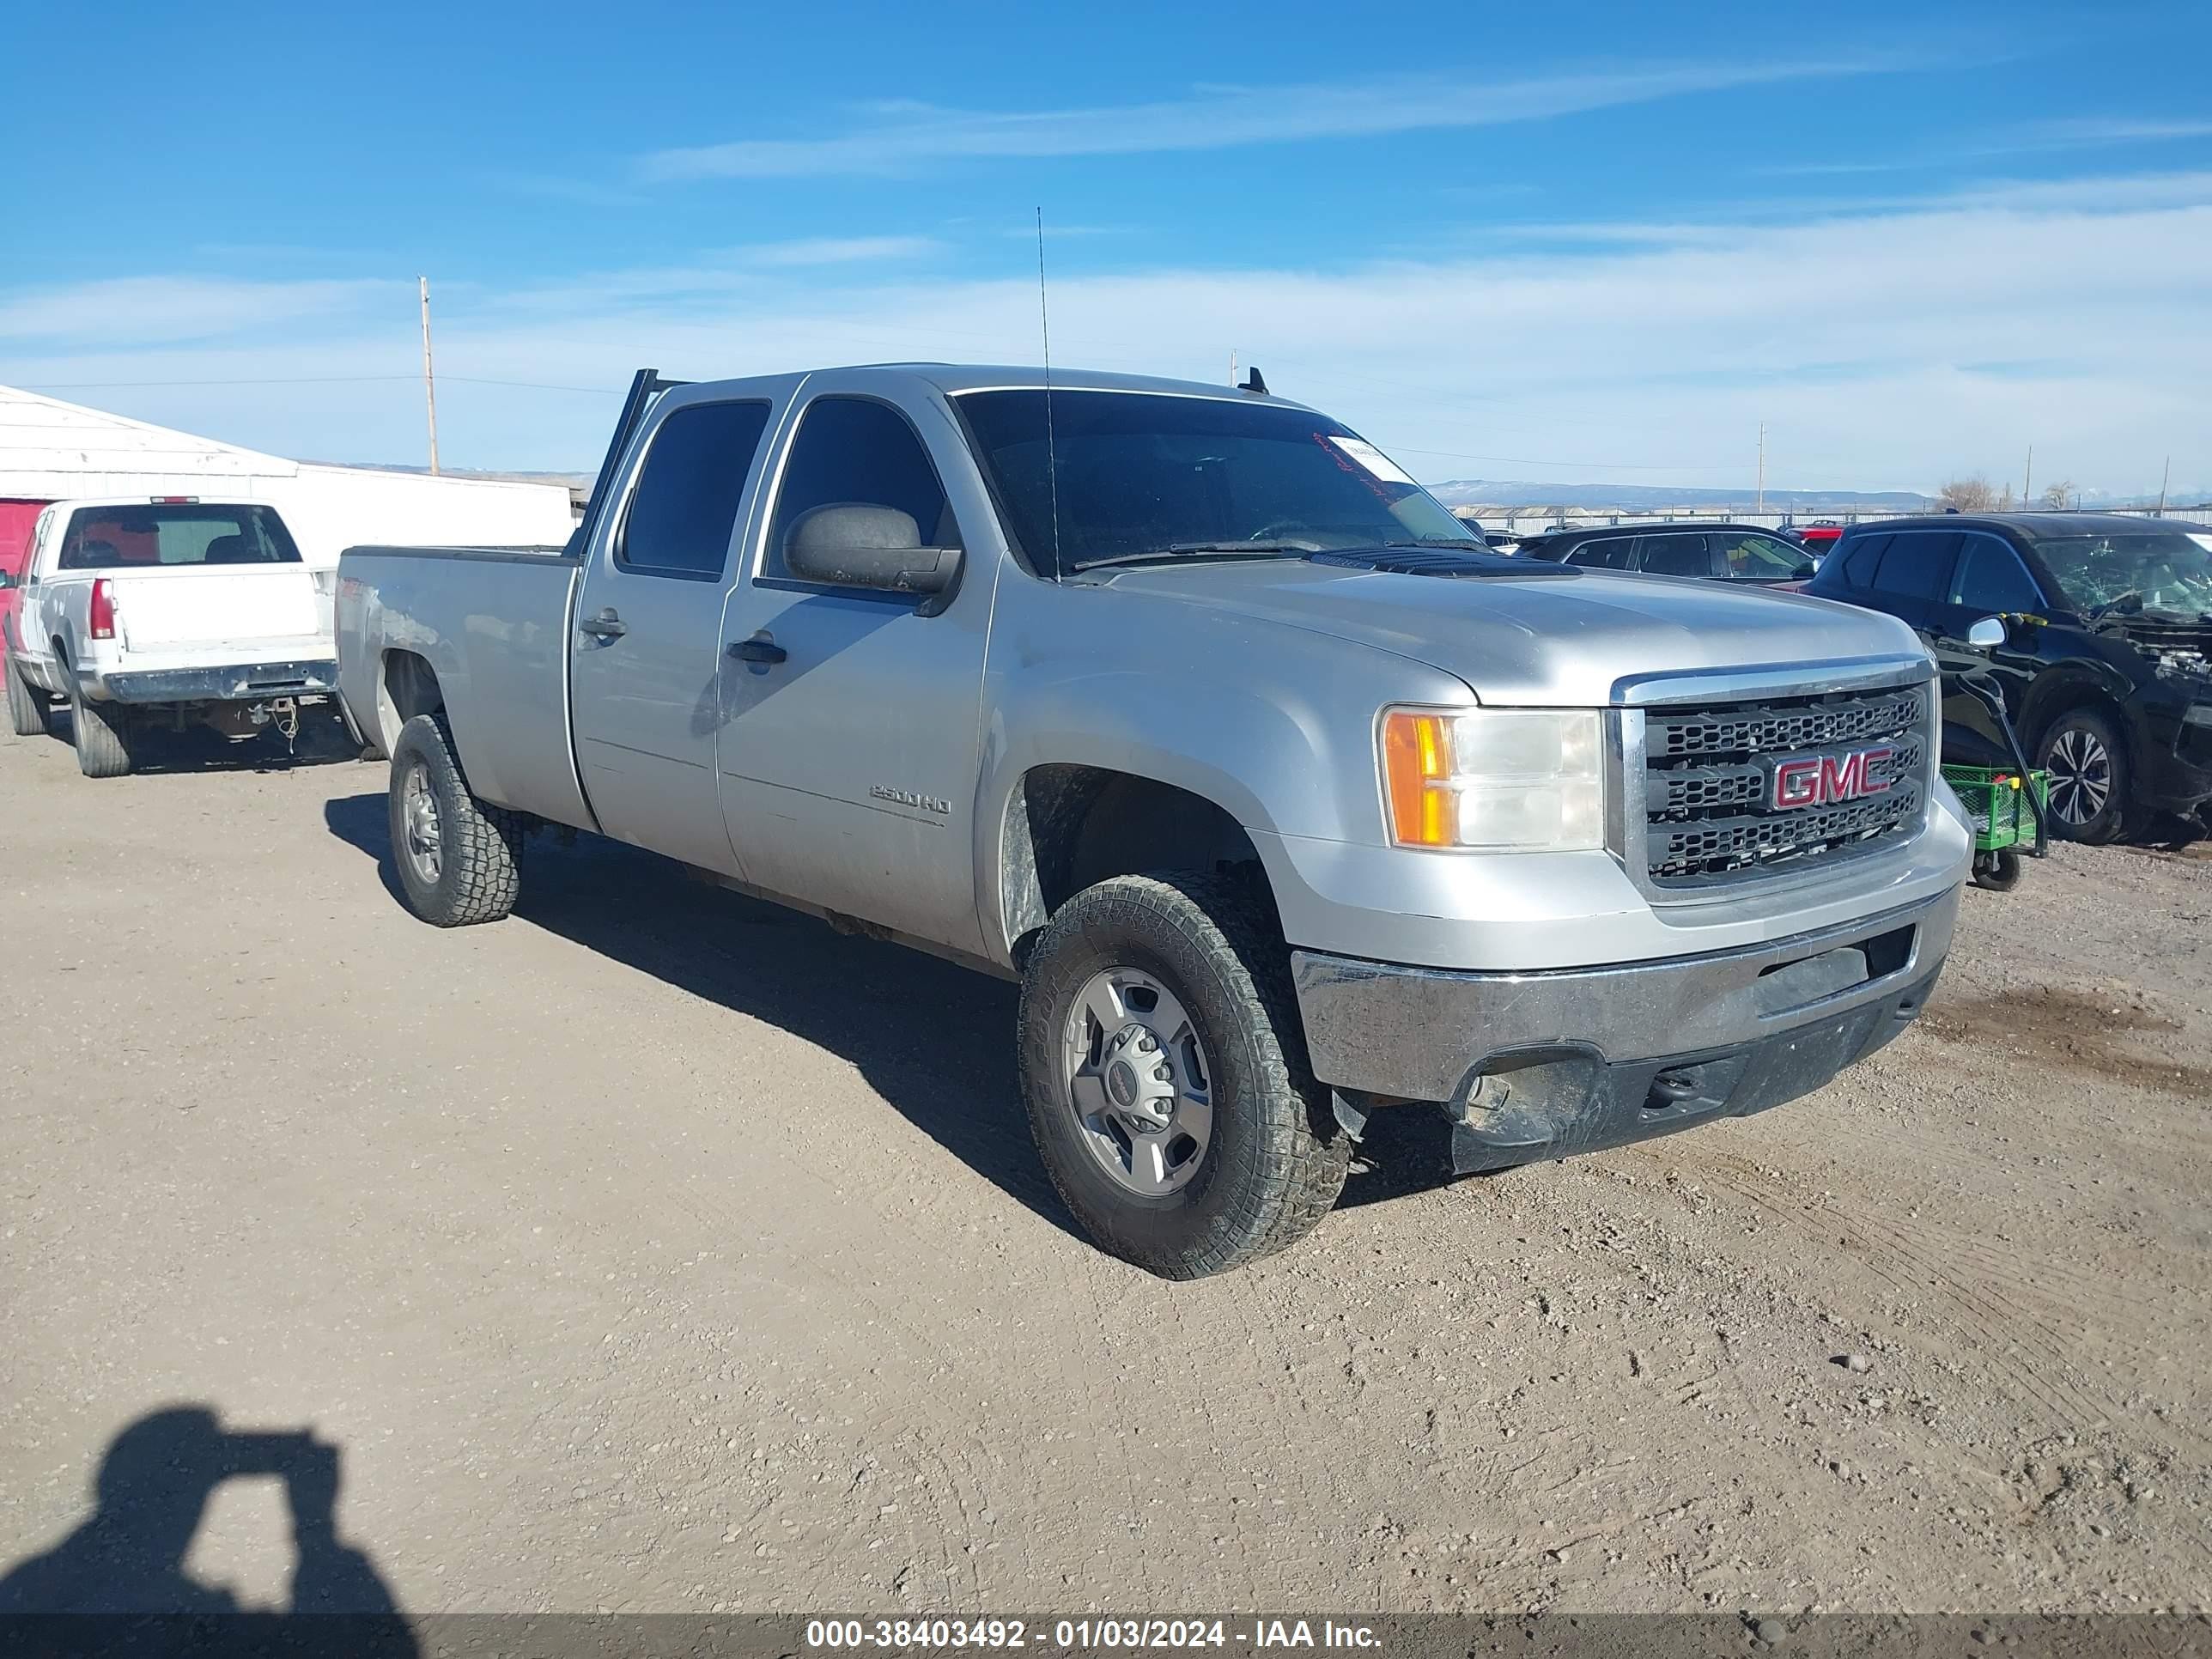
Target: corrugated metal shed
pixel 51 450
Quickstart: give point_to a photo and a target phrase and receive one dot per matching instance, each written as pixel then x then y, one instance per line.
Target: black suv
pixel 2107 662
pixel 1726 552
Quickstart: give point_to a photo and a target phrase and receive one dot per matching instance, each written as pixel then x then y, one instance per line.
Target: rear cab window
pixel 168 534
pixel 684 510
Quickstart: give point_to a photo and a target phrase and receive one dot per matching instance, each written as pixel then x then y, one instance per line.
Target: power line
pixel 309 380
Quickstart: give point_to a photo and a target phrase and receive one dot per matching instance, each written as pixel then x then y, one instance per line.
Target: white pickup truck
pixel 169 611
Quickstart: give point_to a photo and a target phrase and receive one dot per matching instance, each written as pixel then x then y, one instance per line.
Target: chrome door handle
pixel 604 626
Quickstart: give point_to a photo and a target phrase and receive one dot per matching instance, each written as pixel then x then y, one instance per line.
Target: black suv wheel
pixel 2091 782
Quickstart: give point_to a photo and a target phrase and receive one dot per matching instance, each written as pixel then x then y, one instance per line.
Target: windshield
pixel 120 538
pixel 1142 474
pixel 2152 570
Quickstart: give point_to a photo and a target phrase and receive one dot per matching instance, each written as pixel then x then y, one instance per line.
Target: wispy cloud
pixel 1881 349
pixel 902 138
pixel 839 250
pixel 2035 138
pixel 2098 130
pixel 152 309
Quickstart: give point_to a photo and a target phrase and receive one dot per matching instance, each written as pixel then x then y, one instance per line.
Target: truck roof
pixel 72 502
pixel 954 378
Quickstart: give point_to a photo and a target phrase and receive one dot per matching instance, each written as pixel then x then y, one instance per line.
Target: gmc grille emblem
pixel 1795 780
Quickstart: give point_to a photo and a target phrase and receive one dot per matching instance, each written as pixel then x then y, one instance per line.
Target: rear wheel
pixel 102 733
pixel 2091 782
pixel 30 711
pixel 1163 1071
pixel 460 860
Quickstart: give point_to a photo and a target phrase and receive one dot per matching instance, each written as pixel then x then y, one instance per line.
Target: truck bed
pixel 494 622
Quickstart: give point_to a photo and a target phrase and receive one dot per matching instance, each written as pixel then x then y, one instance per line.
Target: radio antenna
pixel 1051 448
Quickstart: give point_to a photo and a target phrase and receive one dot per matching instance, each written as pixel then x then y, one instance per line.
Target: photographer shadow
pixel 128 1557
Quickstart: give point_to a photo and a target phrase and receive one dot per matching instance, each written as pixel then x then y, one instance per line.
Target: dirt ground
pixel 657 1250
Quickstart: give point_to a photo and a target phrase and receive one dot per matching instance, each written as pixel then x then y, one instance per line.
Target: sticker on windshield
pixel 1373 459
pixel 2204 541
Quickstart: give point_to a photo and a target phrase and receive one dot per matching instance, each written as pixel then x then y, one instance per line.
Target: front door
pixel 1991 579
pixel 848 753
pixel 645 655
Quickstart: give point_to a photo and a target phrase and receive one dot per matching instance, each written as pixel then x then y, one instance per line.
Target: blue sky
pixel 1570 243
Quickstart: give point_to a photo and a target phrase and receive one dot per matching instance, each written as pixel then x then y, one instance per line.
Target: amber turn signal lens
pixel 1416 762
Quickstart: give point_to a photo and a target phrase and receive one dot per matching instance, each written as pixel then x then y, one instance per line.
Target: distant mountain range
pixel 1655 498
pixel 1660 498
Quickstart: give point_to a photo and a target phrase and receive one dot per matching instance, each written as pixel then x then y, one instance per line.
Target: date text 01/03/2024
pixel 883 1634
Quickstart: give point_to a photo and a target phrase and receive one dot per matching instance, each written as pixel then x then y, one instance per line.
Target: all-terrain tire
pixel 1276 1161
pixel 102 734
pixel 30 711
pixel 477 874
pixel 2083 751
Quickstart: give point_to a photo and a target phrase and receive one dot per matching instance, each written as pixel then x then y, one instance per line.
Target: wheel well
pixel 408 687
pixel 2062 701
pixel 1070 827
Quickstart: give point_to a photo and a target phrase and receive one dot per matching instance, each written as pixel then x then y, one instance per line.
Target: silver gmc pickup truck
pixel 1285 800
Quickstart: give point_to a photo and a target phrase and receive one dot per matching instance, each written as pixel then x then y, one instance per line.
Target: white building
pixel 51 450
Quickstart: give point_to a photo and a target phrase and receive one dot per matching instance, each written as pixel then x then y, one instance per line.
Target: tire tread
pixel 1298 1159
pixel 482 843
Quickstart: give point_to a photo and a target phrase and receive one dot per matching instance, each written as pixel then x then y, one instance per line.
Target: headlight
pixel 1520 780
pixel 2199 715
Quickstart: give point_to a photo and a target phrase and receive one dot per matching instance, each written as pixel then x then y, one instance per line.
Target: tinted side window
pixel 684 508
pixel 1681 554
pixel 852 452
pixel 1606 553
pixel 1916 563
pixel 1991 579
pixel 1754 558
pixel 1858 565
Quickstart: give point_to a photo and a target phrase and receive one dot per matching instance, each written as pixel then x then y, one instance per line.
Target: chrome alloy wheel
pixel 419 809
pixel 1140 1082
pixel 2080 775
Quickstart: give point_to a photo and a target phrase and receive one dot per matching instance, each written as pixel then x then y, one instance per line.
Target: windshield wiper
pixel 1177 552
pixel 1444 541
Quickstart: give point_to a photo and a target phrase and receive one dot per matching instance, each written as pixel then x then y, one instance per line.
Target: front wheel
pixel 460 860
pixel 1164 1074
pixel 2090 781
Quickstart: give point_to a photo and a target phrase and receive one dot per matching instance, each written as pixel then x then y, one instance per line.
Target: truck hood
pixel 1555 637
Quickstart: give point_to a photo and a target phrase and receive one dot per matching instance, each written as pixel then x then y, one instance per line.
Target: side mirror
pixel 1987 634
pixel 848 545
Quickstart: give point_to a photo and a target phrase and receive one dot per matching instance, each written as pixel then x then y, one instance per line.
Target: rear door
pixel 848 749
pixel 646 650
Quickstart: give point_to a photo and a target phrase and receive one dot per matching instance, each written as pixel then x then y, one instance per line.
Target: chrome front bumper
pixel 1429 1034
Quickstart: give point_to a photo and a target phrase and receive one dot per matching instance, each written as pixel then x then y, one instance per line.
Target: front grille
pixel 1708 783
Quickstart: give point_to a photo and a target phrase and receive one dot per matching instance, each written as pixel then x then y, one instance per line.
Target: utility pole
pixel 2164 479
pixel 430 380
pixel 1761 507
pixel 1232 364
pixel 2027 485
